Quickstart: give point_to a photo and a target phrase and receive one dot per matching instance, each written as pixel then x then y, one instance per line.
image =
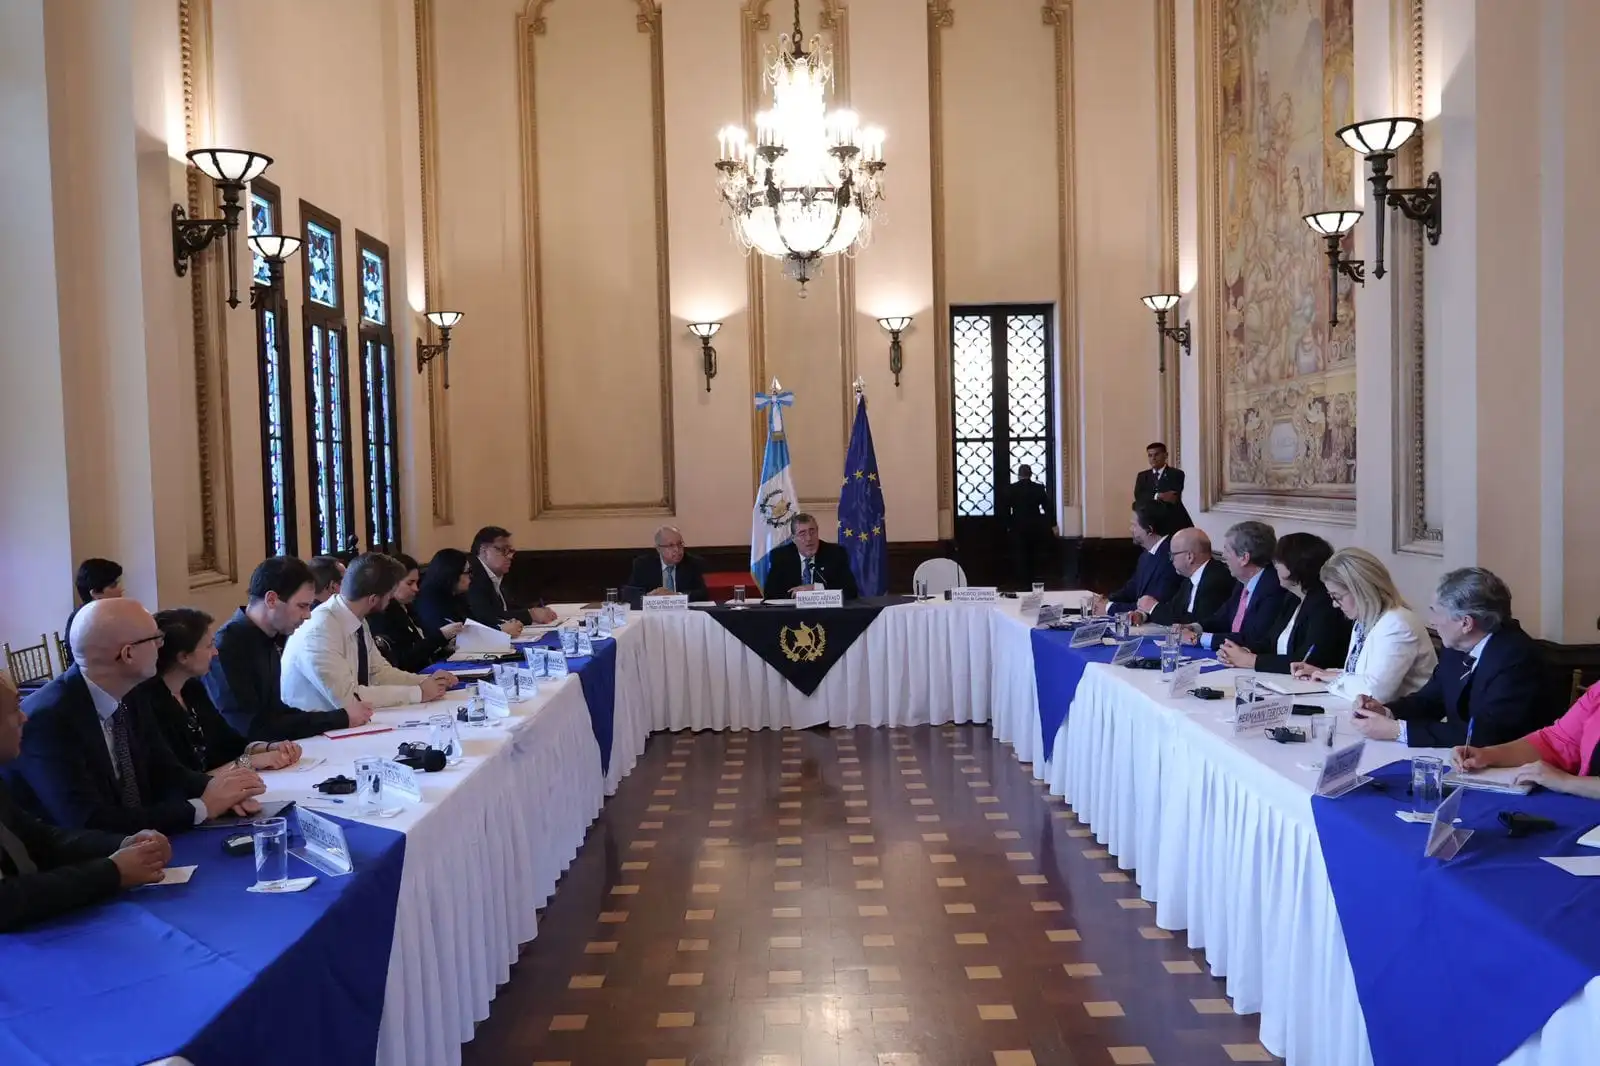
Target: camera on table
pixel 420 756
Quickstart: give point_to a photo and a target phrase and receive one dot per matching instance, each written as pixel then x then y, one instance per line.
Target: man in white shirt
pixel 333 658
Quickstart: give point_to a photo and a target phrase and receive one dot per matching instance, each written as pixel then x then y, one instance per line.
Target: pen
pixel 1306 658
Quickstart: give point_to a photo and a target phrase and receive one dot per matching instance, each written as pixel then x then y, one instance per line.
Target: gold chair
pixel 63 653
pixel 30 665
pixel 1578 687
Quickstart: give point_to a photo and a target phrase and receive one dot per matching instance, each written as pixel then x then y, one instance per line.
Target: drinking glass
pixel 738 594
pixel 1427 785
pixel 1086 608
pixel 569 642
pixel 919 588
pixel 442 735
pixel 611 595
pixel 477 714
pixel 533 656
pixel 272 852
pixel 1038 588
pixel 1171 654
pixel 368 787
pixel 1245 689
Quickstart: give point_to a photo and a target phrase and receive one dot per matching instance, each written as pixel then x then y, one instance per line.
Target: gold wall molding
pixel 1167 177
pixel 1058 16
pixel 428 164
pixel 214 560
pixel 532 27
pixel 941 16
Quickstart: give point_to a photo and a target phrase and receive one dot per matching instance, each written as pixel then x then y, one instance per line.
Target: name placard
pixel 1444 839
pixel 1340 771
pixel 667 604
pixel 397 780
pixel 1181 680
pixel 1089 636
pixel 495 701
pixel 325 847
pixel 1262 714
pixel 1127 651
pixel 585 642
pixel 1030 603
pixel 1049 614
pixel 527 684
pixel 975 594
pixel 819 598
pixel 555 662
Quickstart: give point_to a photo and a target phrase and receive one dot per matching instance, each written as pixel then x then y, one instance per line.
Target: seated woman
pixel 1391 654
pixel 1310 628
pixel 177 701
pixel 1561 756
pixel 398 630
pixel 441 603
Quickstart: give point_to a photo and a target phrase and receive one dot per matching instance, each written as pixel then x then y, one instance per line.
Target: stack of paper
pixel 476 638
pixel 1500 779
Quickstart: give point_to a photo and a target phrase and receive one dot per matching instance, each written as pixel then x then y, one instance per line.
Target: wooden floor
pixel 851 898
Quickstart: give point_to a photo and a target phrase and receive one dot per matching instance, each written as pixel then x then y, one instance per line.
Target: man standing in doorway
pixel 1027 517
pixel 1164 484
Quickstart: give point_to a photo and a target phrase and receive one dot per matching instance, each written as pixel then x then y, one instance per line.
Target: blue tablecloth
pixel 207 970
pixel 1459 962
pixel 1058 669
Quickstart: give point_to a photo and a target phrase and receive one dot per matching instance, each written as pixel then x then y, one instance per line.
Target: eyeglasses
pixel 158 639
pixel 506 550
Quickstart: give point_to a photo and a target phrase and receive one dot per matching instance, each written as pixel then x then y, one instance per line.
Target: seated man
pixel 90 761
pixel 1485 689
pixel 46 871
pixel 333 658
pixel 243 680
pixel 326 573
pixel 1206 587
pixel 668 569
pixel 807 562
pixel 1153 579
pixel 97 579
pixel 486 596
pixel 1249 616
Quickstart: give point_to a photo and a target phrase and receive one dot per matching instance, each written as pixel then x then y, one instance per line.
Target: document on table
pixel 1499 779
pixel 1577 865
pixel 174 875
pixel 476 638
pixel 1284 685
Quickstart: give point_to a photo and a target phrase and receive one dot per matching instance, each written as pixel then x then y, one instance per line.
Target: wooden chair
pixel 1578 687
pixel 63 653
pixel 30 666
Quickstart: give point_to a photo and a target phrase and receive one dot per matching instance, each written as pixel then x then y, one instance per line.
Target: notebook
pixel 1498 780
pixel 1284 685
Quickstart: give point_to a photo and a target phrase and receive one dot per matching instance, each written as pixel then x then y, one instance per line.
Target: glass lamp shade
pixel 1379 135
pixel 895 325
pixel 444 319
pixel 274 245
pixel 1164 301
pixel 704 330
pixel 1332 223
pixel 234 165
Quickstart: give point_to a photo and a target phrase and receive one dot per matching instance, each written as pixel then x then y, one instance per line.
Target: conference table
pixel 1221 832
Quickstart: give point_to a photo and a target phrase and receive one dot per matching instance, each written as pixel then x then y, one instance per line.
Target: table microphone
pixel 421 757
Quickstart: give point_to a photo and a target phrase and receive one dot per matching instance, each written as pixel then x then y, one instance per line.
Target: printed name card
pixel 1261 715
pixel 1181 680
pixel 397 780
pixel 672 604
pixel 526 684
pixel 1127 651
pixel 1341 771
pixel 1444 839
pixel 1089 636
pixel 495 701
pixel 1049 614
pixel 555 663
pixel 975 594
pixel 1031 603
pixel 585 642
pixel 819 598
pixel 325 847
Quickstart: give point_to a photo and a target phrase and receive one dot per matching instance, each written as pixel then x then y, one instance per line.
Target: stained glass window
pixel 1003 395
pixel 272 359
pixel 263 217
pixel 327 401
pixel 378 413
pixel 374 296
pixel 322 264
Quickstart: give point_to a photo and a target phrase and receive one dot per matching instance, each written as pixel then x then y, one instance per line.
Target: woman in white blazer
pixel 1391 654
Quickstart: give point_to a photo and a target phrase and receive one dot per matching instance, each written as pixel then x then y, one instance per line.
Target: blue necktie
pixel 671 573
pixel 122 750
pixel 805 571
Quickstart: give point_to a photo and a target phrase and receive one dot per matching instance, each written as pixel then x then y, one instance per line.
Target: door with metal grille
pixel 1001 358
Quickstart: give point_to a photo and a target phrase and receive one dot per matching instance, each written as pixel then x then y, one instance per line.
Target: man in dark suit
pixel 1153 578
pixel 91 761
pixel 668 569
pixel 1485 690
pixel 807 563
pixel 487 600
pixel 1248 616
pixel 1028 525
pixel 1163 484
pixel 1205 588
pixel 46 871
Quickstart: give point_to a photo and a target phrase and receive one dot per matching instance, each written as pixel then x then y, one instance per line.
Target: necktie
pixel 13 849
pixel 1244 605
pixel 671 575
pixel 805 571
pixel 363 677
pixel 1358 637
pixel 122 753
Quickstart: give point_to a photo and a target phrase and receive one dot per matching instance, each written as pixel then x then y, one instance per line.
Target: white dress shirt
pixel 1397 659
pixel 321 659
pixel 1288 630
pixel 1194 583
pixel 494 579
pixel 105 705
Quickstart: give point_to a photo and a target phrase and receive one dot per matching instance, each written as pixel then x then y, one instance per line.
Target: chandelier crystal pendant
pixel 808 186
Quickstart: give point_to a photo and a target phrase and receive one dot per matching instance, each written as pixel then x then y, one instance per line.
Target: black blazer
pixel 489 607
pixel 1500 698
pixel 434 612
pixel 1027 508
pixel 244 685
pixel 65 772
pixel 646 577
pixel 75 869
pixel 404 640
pixel 1153 576
pixel 1257 632
pixel 832 566
pixel 194 729
pixel 1320 628
pixel 1146 485
pixel 1216 585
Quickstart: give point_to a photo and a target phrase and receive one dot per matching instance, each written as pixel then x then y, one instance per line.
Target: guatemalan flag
pixel 772 517
pixel 861 519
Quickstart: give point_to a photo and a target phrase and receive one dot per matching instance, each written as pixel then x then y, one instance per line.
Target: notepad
pixel 1578 865
pixel 478 639
pixel 1501 779
pixel 357 731
pixel 1284 685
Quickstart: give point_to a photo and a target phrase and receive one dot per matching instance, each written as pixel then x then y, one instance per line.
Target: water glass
pixel 1245 689
pixel 533 656
pixel 369 788
pixel 477 714
pixel 1086 608
pixel 1038 588
pixel 919 588
pixel 272 852
pixel 442 735
pixel 1171 655
pixel 611 595
pixel 1172 638
pixel 738 594
pixel 1427 785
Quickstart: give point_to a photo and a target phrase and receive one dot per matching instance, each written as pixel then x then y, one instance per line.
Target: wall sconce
pixel 230 169
pixel 426 352
pixel 274 249
pixel 1378 140
pixel 1161 303
pixel 1332 226
pixel 708 355
pixel 897 355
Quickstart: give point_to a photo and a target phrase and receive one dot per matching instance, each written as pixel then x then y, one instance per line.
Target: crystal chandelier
pixel 808 186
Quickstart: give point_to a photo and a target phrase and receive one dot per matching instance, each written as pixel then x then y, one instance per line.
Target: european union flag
pixel 861 520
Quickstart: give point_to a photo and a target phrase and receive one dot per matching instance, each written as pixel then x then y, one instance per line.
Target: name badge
pixel 1444 839
pixel 527 683
pixel 1127 651
pixel 394 779
pixel 1049 614
pixel 672 604
pixel 1262 714
pixel 325 847
pixel 555 662
pixel 1181 680
pixel 819 598
pixel 1088 636
pixel 1031 603
pixel 975 594
pixel 585 642
pixel 495 701
pixel 1340 773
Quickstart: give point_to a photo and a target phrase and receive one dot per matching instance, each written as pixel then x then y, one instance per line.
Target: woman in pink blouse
pixel 1559 756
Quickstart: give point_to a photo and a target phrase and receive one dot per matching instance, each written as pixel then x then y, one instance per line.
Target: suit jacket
pixel 1320 628
pixel 1257 631
pixel 489 607
pixel 1154 576
pixel 646 577
pixel 197 734
pixel 1027 508
pixel 243 684
pixel 434 612
pixel 75 869
pixel 832 566
pixel 1396 659
pixel 404 640
pixel 66 775
pixel 1216 585
pixel 1499 699
pixel 1146 484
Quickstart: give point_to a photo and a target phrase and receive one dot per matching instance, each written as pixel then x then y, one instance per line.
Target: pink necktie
pixel 1244 605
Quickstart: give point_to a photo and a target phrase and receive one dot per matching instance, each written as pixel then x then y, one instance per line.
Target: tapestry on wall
pixel 1285 391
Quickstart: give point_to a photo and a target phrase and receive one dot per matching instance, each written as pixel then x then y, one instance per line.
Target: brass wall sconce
pixel 1379 139
pixel 1161 303
pixel 708 355
pixel 897 354
pixel 274 249
pixel 1332 226
pixel 426 353
pixel 230 169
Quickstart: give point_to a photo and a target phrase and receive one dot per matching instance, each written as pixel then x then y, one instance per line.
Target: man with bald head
pixel 91 761
pixel 668 570
pixel 1206 586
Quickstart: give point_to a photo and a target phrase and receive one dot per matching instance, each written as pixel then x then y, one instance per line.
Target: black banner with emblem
pixel 800 645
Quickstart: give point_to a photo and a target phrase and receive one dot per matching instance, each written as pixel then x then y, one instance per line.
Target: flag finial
pixel 860 386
